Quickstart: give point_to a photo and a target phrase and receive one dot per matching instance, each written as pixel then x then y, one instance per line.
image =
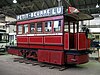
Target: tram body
pixel 52 39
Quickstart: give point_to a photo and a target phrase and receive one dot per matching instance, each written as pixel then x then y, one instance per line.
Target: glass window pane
pixel 19 29
pixel 65 28
pixel 4 38
pixel 26 28
pixel 48 26
pixel 32 28
pixel 97 36
pixel 39 27
pixel 57 26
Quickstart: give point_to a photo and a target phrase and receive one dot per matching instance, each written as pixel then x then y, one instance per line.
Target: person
pixel 87 32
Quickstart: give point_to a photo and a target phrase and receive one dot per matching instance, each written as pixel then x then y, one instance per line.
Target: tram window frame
pixel 26 29
pixel 38 28
pixel 58 26
pixel 34 29
pixel 46 27
pixel 21 29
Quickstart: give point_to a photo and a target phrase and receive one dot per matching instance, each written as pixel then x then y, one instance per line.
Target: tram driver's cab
pixel 78 40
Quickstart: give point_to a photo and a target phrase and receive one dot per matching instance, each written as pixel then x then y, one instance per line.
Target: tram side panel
pixel 54 42
pixel 36 41
pixel 51 56
pixel 22 41
pixel 80 41
pixel 13 51
pixel 66 41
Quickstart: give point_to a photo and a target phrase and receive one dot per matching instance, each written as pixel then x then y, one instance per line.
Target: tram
pixel 52 36
pixel 4 39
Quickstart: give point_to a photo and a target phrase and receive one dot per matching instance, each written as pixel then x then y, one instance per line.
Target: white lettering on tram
pixel 41 13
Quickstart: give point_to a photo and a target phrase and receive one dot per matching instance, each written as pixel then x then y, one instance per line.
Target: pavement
pixel 9 67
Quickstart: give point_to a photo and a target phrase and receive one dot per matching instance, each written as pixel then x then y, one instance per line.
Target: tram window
pixel 65 28
pixel 26 28
pixel 32 28
pixel 57 26
pixel 39 27
pixel 19 29
pixel 48 26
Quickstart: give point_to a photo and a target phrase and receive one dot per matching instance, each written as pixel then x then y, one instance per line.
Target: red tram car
pixel 52 36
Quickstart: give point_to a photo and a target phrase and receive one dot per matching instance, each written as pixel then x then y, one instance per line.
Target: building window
pixel 26 28
pixel 39 27
pixel 32 27
pixel 57 26
pixel 19 29
pixel 97 37
pixel 48 26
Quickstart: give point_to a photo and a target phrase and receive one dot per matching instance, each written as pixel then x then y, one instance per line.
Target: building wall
pixel 10 29
pixel 94 26
pixel 2 26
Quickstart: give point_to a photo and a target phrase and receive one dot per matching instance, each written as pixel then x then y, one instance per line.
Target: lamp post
pixel 59 2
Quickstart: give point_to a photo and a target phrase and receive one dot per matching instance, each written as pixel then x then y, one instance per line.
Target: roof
pixel 79 16
pixel 7 7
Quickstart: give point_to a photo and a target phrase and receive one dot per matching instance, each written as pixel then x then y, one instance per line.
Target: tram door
pixel 69 35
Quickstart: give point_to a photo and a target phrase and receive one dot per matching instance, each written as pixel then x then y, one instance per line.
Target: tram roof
pixel 78 16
